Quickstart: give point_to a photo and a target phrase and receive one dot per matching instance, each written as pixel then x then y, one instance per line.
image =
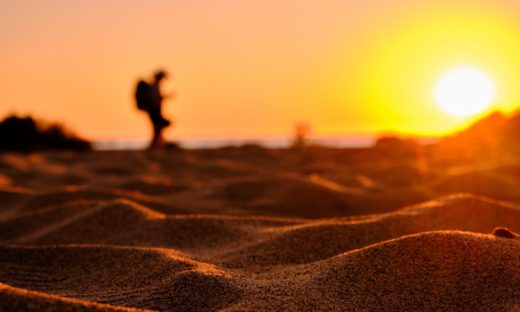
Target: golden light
pixel 464 91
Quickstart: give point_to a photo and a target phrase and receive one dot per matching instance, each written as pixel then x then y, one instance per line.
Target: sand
pixel 254 229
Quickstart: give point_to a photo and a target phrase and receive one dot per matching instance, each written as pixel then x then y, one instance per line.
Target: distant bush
pixel 395 146
pixel 171 145
pixel 27 134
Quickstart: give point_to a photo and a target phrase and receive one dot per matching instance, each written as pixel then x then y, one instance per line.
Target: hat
pixel 159 74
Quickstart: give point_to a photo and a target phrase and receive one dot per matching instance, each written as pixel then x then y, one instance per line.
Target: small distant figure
pixel 302 131
pixel 149 98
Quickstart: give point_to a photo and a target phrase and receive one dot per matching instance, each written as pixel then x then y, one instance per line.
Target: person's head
pixel 160 75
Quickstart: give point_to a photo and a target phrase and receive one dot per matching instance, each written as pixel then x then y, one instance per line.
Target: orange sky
pixel 253 68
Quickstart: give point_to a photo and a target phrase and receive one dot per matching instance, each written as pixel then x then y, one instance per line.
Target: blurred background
pixel 250 70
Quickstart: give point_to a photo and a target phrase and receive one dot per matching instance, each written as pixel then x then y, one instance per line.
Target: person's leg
pixel 164 122
pixel 156 121
pixel 160 138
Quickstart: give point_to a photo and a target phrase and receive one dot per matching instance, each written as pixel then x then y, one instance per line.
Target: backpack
pixel 143 95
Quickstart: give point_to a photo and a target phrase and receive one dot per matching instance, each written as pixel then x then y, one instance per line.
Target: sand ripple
pixel 210 231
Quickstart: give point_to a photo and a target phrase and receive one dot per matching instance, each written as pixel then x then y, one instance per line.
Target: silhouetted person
pixel 149 99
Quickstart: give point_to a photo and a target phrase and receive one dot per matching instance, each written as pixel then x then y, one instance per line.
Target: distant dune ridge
pixel 234 229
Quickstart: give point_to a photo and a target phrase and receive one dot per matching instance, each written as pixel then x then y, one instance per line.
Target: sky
pixel 251 69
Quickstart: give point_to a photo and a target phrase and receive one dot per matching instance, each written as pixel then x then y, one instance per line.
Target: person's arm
pixel 169 96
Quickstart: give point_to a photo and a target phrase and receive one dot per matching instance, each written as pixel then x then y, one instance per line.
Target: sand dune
pixel 17 299
pixel 219 230
pixel 435 270
pixel 142 277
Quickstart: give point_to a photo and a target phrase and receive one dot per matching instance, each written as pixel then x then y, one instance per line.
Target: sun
pixel 464 91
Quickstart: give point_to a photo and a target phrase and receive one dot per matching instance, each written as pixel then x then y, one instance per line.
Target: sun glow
pixel 464 92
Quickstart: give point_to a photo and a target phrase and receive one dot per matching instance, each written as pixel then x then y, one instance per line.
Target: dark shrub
pixel 26 134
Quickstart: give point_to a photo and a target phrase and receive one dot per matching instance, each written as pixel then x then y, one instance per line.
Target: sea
pixel 337 142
